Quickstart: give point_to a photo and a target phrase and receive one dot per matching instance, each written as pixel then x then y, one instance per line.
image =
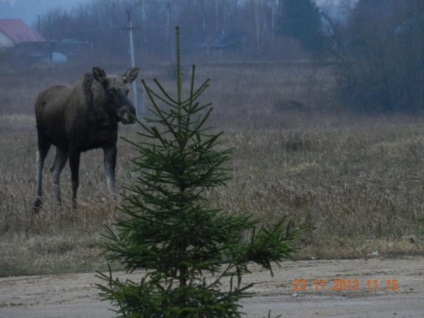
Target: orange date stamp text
pixel 339 285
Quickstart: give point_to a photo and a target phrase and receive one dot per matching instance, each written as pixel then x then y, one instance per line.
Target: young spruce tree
pixel 194 254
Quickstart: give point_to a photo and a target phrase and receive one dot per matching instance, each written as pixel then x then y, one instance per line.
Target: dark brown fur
pixel 79 118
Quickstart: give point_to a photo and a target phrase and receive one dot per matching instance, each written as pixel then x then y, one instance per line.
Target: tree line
pixel 376 44
pixel 250 28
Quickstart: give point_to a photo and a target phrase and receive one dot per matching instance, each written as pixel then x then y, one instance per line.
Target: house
pixel 20 45
pixel 13 32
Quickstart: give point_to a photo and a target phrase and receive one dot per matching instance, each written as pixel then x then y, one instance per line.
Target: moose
pixel 78 118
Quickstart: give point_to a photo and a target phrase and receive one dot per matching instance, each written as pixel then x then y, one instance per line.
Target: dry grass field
pixel 353 183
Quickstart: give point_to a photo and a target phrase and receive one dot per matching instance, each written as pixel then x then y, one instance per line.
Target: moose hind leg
pixel 74 162
pixel 56 169
pixel 43 149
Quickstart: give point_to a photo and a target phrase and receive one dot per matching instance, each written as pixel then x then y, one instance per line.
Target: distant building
pixel 21 46
pixel 224 40
pixel 13 32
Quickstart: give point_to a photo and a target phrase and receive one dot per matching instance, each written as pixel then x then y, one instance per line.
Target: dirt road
pixel 328 288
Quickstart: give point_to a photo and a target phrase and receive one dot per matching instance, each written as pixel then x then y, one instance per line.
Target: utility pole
pixel 274 7
pixel 138 106
pixel 168 29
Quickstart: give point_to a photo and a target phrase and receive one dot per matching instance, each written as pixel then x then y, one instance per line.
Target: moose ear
pixel 99 74
pixel 130 75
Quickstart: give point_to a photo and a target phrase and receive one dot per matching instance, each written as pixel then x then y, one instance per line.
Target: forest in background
pixel 375 45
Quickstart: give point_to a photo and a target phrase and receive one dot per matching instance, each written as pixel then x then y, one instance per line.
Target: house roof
pixel 18 32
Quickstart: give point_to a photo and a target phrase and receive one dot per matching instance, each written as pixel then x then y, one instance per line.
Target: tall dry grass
pixel 353 184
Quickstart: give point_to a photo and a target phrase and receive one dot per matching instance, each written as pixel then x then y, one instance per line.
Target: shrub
pixel 382 67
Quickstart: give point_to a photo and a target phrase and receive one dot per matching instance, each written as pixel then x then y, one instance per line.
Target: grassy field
pixel 354 184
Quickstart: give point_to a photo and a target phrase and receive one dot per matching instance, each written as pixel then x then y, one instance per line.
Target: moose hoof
pixel 37 205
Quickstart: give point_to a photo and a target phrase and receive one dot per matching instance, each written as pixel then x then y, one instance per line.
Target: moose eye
pixel 111 91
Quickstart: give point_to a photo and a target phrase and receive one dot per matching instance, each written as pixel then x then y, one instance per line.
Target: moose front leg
pixel 74 162
pixel 110 164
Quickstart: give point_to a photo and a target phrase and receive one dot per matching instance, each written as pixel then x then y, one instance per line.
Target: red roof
pixel 19 32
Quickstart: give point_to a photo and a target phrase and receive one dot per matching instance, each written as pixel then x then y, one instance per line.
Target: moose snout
pixel 127 114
